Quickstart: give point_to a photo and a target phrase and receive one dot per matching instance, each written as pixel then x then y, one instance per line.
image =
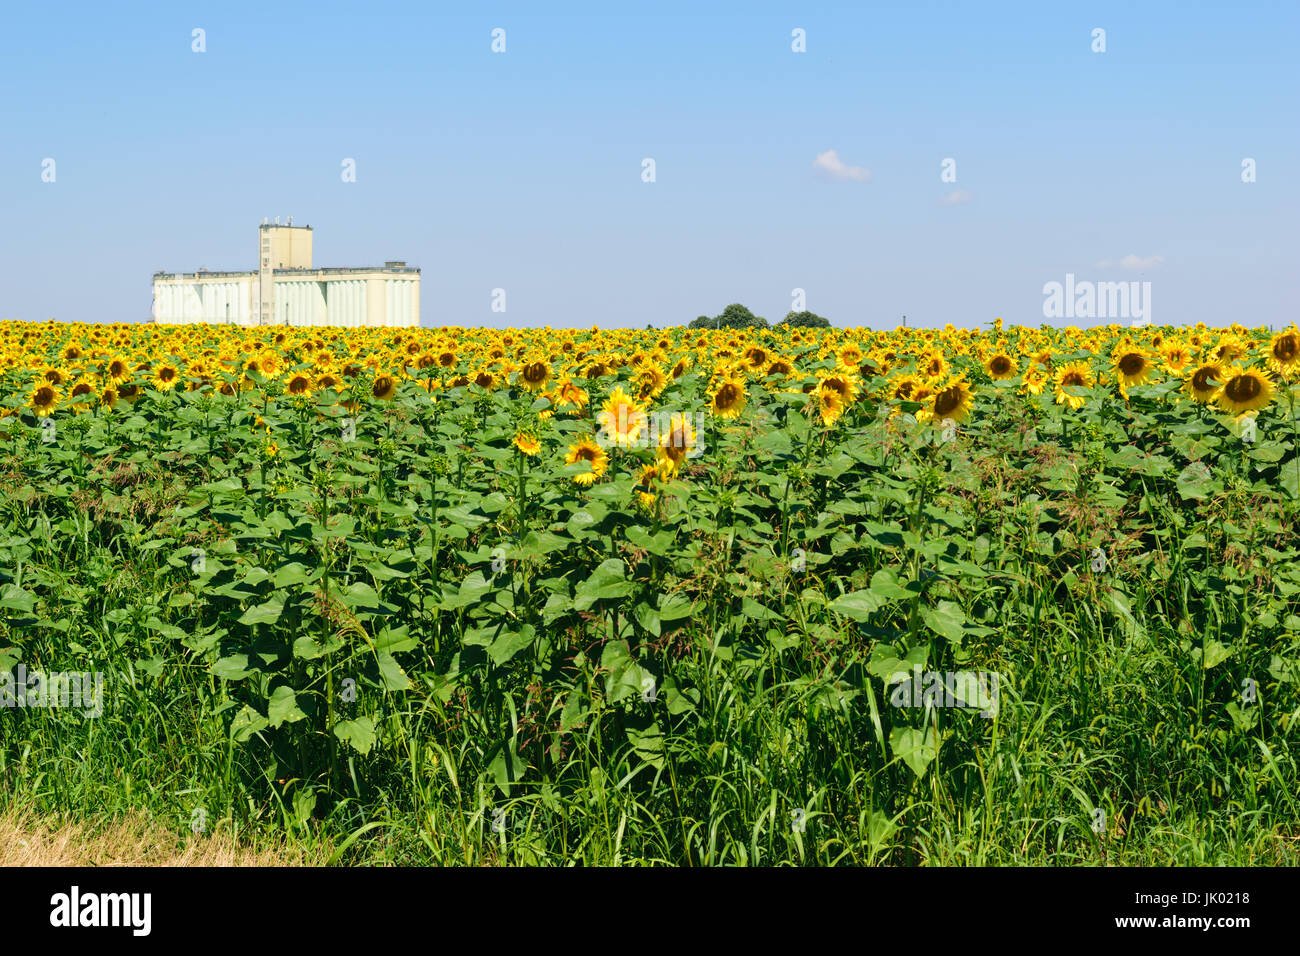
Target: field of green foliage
pixel 450 622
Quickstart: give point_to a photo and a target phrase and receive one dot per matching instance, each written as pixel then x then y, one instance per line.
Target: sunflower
pixel 117 370
pixel 953 400
pixel 270 363
pixel 1284 352
pixel 755 358
pixel 384 387
pixel 675 444
pixel 1229 349
pixel 44 398
pixel 527 443
pixel 300 383
pixel 1001 366
pixel 1132 367
pixel 932 365
pixel 108 397
pixel 535 374
pixel 728 398
pixel 1204 383
pixel 329 380
pixel 587 450
pixel 1244 390
pixel 779 366
pixel 166 377
pixel 621 419
pixel 830 406
pixel 1176 357
pixel 1035 378
pixel 1072 375
pixel 650 382
pixel 842 385
pixel 568 394
pixel 902 387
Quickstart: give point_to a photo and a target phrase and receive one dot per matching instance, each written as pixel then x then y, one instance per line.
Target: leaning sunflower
pixel 44 398
pixel 1244 390
pixel 586 449
pixel 527 443
pixel 728 399
pixel 1001 366
pixel 1132 367
pixel 675 444
pixel 1204 383
pixel 1072 375
pixel 621 419
pixel 830 405
pixel 1284 352
pixel 954 400
pixel 384 387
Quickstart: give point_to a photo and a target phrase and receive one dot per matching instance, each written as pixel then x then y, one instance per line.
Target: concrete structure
pixel 286 290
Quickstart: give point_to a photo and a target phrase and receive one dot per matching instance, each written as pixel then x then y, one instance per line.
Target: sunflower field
pixel 676 596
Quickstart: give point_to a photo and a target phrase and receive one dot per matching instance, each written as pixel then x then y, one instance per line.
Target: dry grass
pixel 133 840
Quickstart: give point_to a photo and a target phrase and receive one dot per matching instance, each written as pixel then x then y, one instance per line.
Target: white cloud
pixel 958 197
pixel 1132 263
pixel 830 166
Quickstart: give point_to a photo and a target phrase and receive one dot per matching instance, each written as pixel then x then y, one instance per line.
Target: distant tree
pixel 734 316
pixel 805 320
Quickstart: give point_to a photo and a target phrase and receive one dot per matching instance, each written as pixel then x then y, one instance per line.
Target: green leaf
pixel 246 723
pixel 648 744
pixel 14 598
pixel 290 574
pixel 674 607
pixel 267 613
pixel 858 605
pixel 359 594
pixel 507 767
pixel 884 584
pixel 917 748
pixel 509 643
pixel 605 583
pixel 391 673
pixel 234 667
pixel 283 708
pixel 947 620
pixel 359 733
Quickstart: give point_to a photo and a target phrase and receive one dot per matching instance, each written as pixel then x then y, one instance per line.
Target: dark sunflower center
pixel 1286 348
pixel 1001 365
pixel 1132 364
pixel 534 372
pixel 947 402
pixel 726 396
pixel 1242 388
pixel 1201 380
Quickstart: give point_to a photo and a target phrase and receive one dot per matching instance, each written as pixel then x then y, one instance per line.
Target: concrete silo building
pixel 286 290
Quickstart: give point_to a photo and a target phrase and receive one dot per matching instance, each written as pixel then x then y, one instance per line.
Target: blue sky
pixel 523 170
